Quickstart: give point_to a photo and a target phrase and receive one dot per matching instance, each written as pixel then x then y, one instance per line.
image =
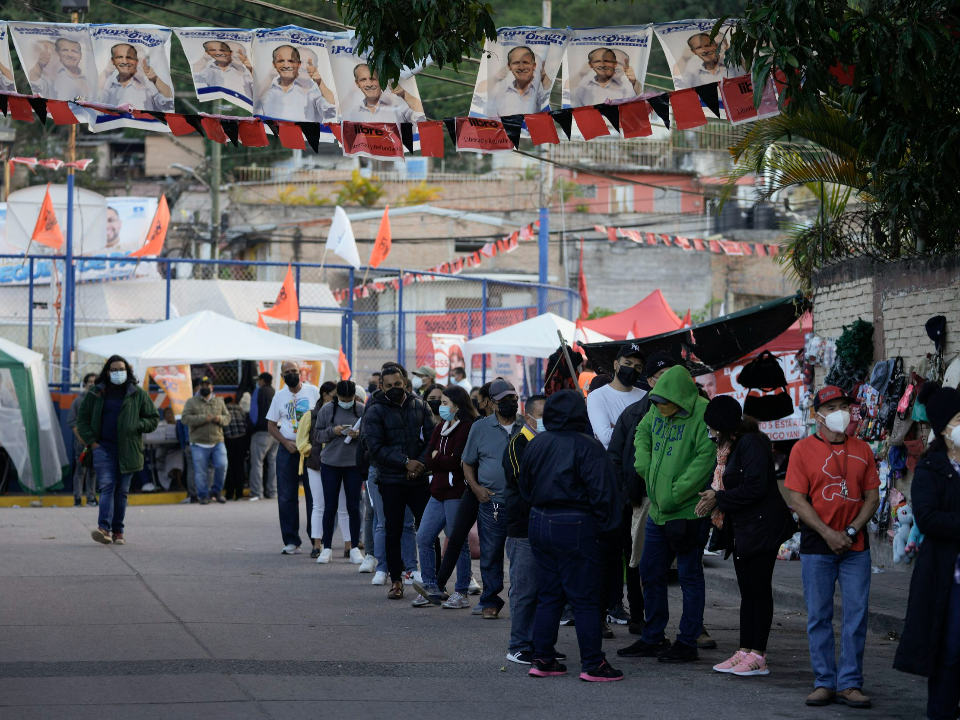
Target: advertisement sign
pixel 738 100
pixel 724 382
pixel 176 383
pixel 518 72
pixel 509 367
pixel 603 64
pixel 447 354
pixel 376 140
pixel 220 64
pixel 482 136
pixel 693 57
pixel 7 83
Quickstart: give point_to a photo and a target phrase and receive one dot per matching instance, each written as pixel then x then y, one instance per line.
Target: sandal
pixel 396 591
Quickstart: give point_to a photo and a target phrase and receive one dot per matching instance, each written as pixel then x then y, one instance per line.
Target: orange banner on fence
pixel 176 383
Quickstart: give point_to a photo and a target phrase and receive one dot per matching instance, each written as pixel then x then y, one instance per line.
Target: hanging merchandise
pixel 854 357
pixel 881 374
pixel 895 389
pixel 766 374
pixel 220 63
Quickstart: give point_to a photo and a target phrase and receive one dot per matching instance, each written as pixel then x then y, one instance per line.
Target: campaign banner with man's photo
pixel 220 64
pixel 133 68
pixel 292 77
pixel 603 64
pixel 58 60
pixel 360 97
pixel 694 58
pixel 7 83
pixel 518 71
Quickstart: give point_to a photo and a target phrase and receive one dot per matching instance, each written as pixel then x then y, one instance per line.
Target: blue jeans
pixel 438 516
pixel 655 563
pixel 113 486
pixel 492 528
pixel 567 552
pixel 408 543
pixel 820 575
pixel 288 496
pixel 523 593
pixel 202 458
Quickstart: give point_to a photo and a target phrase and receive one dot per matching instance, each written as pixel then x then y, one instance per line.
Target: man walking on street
pixel 834 489
pixel 263 446
pixel 206 415
pixel 567 479
pixel 289 405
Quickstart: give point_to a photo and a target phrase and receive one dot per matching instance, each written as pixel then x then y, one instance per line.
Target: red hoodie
pixel 447 482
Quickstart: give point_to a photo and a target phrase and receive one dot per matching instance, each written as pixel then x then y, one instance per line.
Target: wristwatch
pixel 851 532
pixel 406 460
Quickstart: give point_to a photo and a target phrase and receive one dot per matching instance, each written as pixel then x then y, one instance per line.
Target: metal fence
pixel 395 319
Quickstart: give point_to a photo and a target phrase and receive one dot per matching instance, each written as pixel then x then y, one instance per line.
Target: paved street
pixel 199 616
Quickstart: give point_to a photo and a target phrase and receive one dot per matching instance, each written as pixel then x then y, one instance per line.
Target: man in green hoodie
pixel 676 457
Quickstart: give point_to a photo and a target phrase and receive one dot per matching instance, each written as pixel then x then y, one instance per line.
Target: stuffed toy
pixel 913 541
pixel 902 537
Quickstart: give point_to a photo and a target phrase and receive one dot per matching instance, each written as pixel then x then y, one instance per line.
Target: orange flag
pixel 286 307
pixel 343 366
pixel 261 323
pixel 686 320
pixel 47 230
pixel 158 232
pixel 381 248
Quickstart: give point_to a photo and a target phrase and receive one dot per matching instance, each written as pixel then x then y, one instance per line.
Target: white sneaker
pixel 149 487
pixel 290 550
pixel 474 588
pixel 325 556
pixel 253 498
pixel 380 578
pixel 410 577
pixel 356 557
pixel 369 564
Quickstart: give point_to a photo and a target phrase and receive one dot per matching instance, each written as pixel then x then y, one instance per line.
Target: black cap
pixel 723 414
pixel 631 349
pixel 941 405
pixel 660 361
pixel 937 330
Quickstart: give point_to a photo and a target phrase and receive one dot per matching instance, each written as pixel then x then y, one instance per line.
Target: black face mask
pixel 476 404
pixel 292 379
pixel 205 391
pixel 508 408
pixel 434 406
pixel 372 388
pixel 395 394
pixel 628 375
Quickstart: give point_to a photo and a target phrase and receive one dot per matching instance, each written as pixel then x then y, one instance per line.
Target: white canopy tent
pixel 202 337
pixel 535 338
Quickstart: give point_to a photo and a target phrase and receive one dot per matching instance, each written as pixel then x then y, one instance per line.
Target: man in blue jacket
pixel 567 479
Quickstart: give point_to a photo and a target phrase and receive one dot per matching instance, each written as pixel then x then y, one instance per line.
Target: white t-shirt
pixel 466 385
pixel 604 406
pixel 287 408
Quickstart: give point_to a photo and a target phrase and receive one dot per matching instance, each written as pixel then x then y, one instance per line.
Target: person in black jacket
pixel 397 427
pixel 746 505
pixel 930 644
pixel 567 479
pixel 263 446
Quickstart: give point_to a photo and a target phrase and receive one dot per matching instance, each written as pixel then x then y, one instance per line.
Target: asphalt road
pixel 199 616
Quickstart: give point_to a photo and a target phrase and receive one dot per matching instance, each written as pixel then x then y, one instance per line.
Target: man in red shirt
pixel 834 488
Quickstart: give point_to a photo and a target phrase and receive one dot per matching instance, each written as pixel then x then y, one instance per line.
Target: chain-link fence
pixel 398 315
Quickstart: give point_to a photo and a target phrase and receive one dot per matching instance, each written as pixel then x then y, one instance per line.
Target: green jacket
pixel 138 415
pixel 675 455
pixel 194 416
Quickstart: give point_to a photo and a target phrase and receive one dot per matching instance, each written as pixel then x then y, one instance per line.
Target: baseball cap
pixel 828 393
pixel 206 379
pixel 630 350
pixel 426 371
pixel 499 389
pixel 660 361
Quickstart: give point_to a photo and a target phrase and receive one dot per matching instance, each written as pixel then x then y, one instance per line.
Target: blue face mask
pixel 345 405
pixel 540 425
pixel 447 413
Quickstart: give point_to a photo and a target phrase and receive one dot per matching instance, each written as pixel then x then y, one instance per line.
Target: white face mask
pixel 416 383
pixel 118 377
pixel 954 436
pixel 540 425
pixel 836 421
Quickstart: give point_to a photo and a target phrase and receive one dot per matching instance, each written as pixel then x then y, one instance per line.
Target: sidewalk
pixel 888 591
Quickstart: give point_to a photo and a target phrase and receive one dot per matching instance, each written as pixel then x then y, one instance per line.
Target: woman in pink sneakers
pixel 747 508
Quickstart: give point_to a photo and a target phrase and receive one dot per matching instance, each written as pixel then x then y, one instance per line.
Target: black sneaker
pixel 92 502
pixel 524 657
pixel 567 617
pixel 605 632
pixel 642 649
pixel 431 594
pixel 604 673
pixel 315 553
pixel 679 653
pixel 77 502
pixel 618 615
pixel 636 628
pixel 547 668
pixel 194 500
pixel 204 501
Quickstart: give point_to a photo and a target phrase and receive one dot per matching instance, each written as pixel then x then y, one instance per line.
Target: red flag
pixel 635 119
pixel 542 129
pixel 579 336
pixel 47 230
pixel 590 122
pixel 158 232
pixel 286 307
pixel 687 111
pixel 582 287
pixel 291 136
pixel 214 130
pixel 431 138
pixel 686 319
pixel 261 323
pixel 61 113
pixel 252 134
pixel 178 125
pixel 343 367
pixel 381 248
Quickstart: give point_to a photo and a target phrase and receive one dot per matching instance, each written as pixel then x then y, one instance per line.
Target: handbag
pixel 764 372
pixel 766 408
pixel 895 390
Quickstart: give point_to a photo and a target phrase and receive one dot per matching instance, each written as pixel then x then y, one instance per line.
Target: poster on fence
pixel 603 64
pixel 7 83
pixel 447 354
pixel 518 71
pixel 176 382
pixel 220 64
pixel 694 57
pixel 133 68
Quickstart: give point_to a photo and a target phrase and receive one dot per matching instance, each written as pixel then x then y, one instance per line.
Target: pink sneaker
pixel 752 664
pixel 727 666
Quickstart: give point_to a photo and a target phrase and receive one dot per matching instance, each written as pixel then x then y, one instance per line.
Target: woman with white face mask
pixel 930 644
pixel 335 465
pixel 112 419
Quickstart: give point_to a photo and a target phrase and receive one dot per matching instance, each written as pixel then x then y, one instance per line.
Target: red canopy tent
pixel 651 316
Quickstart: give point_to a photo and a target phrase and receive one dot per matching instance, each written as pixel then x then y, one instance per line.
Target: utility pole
pixel 543 239
pixel 69 271
pixel 215 181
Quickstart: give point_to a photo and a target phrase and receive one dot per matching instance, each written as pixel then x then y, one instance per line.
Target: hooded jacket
pixel 675 455
pixel 622 450
pixel 567 467
pixel 394 433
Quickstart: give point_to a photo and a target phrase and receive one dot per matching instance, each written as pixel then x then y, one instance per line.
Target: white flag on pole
pixel 341 240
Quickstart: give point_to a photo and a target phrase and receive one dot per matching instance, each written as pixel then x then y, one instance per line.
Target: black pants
pixel 465 519
pixel 236 466
pixel 755 578
pixel 616 557
pixel 943 689
pixel 397 497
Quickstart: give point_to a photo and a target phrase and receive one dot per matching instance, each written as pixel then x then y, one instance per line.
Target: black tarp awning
pixel 713 344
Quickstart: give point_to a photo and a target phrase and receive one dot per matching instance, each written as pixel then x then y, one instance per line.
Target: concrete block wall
pixel 840 304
